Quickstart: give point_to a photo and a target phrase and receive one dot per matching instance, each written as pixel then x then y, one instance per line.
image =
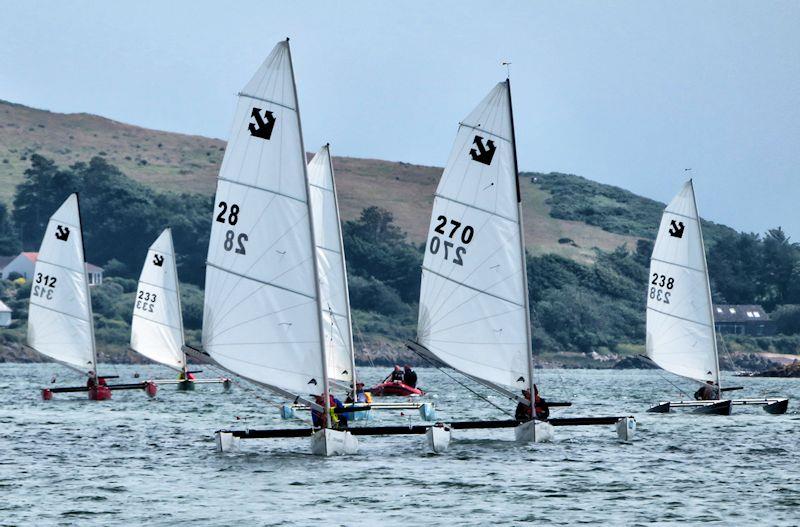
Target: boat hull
pixel 226 442
pixel 394 389
pixel 718 408
pixel 777 408
pixel 99 393
pixel 534 431
pixel 438 438
pixel 328 442
pixel 186 386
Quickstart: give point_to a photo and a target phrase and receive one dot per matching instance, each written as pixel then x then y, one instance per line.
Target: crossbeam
pixel 73 389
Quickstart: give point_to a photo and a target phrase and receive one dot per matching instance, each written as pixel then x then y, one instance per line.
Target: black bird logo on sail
pixel 482 153
pixel 312 381
pixel 521 379
pixel 158 260
pixel 676 229
pixel 62 233
pixel 261 128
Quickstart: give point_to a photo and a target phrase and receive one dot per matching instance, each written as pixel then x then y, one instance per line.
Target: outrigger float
pixel 60 322
pixel 157 323
pixel 681 337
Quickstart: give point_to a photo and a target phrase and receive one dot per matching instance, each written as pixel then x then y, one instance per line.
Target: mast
pixel 708 292
pixel 344 274
pixel 325 381
pixel 529 343
pixel 178 295
pixel 86 284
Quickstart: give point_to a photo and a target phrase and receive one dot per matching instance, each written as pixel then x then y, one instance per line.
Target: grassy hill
pixel 176 162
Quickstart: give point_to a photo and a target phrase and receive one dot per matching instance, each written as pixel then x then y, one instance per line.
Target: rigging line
pixel 659 371
pixel 463 385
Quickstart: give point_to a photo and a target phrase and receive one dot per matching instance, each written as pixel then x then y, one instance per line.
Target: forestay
pixel 261 316
pixel 680 323
pixel 472 312
pixel 157 325
pixel 60 313
pixel 334 300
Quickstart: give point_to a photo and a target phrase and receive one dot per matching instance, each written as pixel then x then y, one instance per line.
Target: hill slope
pixel 176 162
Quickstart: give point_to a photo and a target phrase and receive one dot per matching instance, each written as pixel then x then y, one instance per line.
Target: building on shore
pixel 744 319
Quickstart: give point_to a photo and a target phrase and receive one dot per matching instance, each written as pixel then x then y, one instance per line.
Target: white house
pixel 23 264
pixel 5 315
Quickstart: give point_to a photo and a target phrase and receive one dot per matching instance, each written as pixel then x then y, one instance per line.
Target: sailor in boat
pixel 707 392
pixel 409 376
pixel 523 412
pixel 182 376
pixel 397 375
pixel 338 420
pixel 361 395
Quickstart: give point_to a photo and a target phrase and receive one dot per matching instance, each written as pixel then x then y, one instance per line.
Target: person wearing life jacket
pixel 409 376
pixel 707 392
pixel 337 420
pixel 523 412
pixel 185 375
pixel 361 395
pixel 397 374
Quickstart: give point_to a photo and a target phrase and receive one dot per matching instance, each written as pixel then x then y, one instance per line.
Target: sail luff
pixel 529 344
pixel 325 380
pixel 348 314
pixel 708 291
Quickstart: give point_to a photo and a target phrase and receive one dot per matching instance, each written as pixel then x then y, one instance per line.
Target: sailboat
pixel 60 324
pixel 157 323
pixel 263 314
pixel 680 321
pixel 473 308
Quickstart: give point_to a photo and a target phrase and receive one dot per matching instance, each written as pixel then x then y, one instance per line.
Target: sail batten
pixel 60 322
pixel 680 323
pixel 472 312
pixel 261 318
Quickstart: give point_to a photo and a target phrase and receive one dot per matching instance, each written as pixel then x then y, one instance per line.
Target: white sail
pixel 472 312
pixel 261 316
pixel 157 324
pixel 680 323
pixel 334 299
pixel 60 313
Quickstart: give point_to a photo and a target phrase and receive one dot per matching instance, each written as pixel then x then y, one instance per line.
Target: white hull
pixel 524 433
pixel 327 442
pixel 438 438
pixel 626 429
pixel 226 442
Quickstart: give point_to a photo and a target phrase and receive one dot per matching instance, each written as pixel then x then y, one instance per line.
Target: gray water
pixel 137 461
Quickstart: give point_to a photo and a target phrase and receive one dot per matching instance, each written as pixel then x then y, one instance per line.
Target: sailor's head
pixel 407 367
pixel 397 367
pixel 359 385
pixel 711 383
pixel 526 393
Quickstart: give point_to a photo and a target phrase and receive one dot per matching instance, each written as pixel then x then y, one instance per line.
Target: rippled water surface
pixel 137 461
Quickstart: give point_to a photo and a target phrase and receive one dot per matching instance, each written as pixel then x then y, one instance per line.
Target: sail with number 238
pixel 680 321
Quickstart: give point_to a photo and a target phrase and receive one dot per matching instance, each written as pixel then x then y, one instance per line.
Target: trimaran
pixel 473 309
pixel 157 322
pixel 680 318
pixel 60 324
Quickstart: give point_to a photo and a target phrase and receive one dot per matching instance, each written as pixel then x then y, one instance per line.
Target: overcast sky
pixel 626 92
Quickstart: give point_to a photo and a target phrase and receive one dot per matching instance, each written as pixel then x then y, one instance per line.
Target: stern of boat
pixel 328 442
pixel 534 431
